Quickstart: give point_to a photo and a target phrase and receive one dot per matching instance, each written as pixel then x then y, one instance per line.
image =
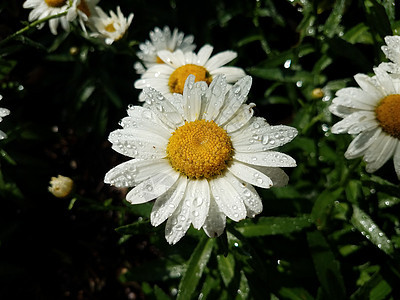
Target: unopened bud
pixel 61 186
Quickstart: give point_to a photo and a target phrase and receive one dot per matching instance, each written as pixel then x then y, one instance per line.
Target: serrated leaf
pixel 195 268
pixel 326 266
pixel 370 230
pixel 273 226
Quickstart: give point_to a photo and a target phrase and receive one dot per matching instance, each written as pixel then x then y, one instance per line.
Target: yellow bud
pixel 61 186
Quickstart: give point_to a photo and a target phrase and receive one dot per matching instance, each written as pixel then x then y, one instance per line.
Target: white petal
pixel 198 197
pixel 162 108
pixel 385 81
pixel 380 152
pixel 361 143
pixel 170 58
pixel 214 225
pixel 396 160
pixel 355 94
pixel 242 116
pixel 178 223
pixel 277 175
pixel 266 159
pixel 232 74
pixel 250 175
pixel 227 199
pixel 215 96
pixel 204 54
pixel 139 144
pixel 135 171
pixel 220 59
pixel 143 118
pixel 167 203
pixel 249 195
pixel 153 187
pixel 258 136
pixel 352 120
pixel 341 111
pixel 370 85
pixel 192 95
pixel 235 98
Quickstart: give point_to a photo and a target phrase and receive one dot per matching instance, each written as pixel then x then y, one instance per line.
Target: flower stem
pixel 31 25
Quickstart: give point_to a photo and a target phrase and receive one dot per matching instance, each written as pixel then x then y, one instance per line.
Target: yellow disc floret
pixel 55 3
pixel 110 27
pixel 200 149
pixel 388 115
pixel 177 79
pixel 83 7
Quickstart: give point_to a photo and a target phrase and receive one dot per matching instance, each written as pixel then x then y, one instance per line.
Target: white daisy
pixel 372 113
pixel 162 40
pixel 82 10
pixel 111 28
pixel 3 112
pixel 199 154
pixel 46 8
pixel 392 52
pixel 170 77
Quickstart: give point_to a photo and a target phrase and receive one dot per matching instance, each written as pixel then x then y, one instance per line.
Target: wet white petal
pixel 152 187
pixel 380 152
pixel 228 199
pixel 266 159
pixel 178 224
pixel 198 198
pixel 214 224
pixel 250 175
pixel 361 143
pixel 167 203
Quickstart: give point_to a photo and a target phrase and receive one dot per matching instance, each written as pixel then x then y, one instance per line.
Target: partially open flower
pixel 110 28
pixel 61 186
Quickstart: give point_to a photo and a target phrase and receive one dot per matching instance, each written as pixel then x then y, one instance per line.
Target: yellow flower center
pixel 83 7
pixel 200 149
pixel 55 3
pixel 159 60
pixel 178 77
pixel 388 115
pixel 110 27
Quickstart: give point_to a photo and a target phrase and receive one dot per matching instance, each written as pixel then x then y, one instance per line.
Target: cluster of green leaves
pixel 332 233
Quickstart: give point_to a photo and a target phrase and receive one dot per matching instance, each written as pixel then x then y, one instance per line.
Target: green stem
pixel 31 25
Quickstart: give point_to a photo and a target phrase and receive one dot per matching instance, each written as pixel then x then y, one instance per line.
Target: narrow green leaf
pixel 139 227
pixel 194 271
pixel 323 205
pixel 244 289
pixel 331 26
pixel 160 294
pixel 273 226
pixel 226 266
pixel 295 293
pixel 370 230
pixel 326 266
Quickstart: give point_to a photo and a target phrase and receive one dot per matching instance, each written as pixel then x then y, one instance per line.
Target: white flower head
pixel 170 77
pixel 162 40
pixel 372 113
pixel 110 28
pixel 45 8
pixel 199 155
pixel 61 186
pixel 82 10
pixel 3 112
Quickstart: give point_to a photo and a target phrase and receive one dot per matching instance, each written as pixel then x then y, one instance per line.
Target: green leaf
pixel 326 266
pixel 273 226
pixel 370 230
pixel 139 227
pixel 358 34
pixel 377 18
pixel 323 204
pixel 331 26
pixel 295 293
pixel 226 266
pixel 160 294
pixel 194 271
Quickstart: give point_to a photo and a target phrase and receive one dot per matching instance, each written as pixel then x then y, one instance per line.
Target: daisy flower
pixel 111 28
pixel 199 155
pixel 372 113
pixel 45 8
pixel 82 10
pixel 392 52
pixel 3 112
pixel 170 77
pixel 162 40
